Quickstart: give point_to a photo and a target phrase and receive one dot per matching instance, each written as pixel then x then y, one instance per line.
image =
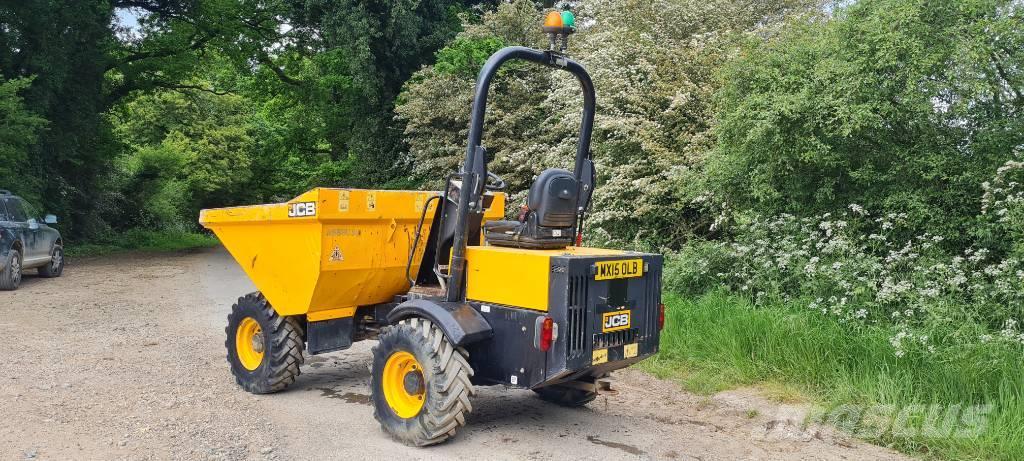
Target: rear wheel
pixel 420 383
pixel 10 277
pixel 565 395
pixel 264 349
pixel 56 266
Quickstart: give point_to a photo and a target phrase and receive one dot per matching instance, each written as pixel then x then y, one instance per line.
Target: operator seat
pixel 550 217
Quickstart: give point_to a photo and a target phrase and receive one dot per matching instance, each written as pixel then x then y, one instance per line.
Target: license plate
pixel 600 356
pixel 630 350
pixel 621 269
pixel 615 321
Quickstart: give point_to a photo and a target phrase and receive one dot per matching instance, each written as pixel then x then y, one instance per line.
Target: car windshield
pixel 31 212
pixel 16 210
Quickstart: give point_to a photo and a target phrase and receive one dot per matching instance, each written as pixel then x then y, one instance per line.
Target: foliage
pixel 143 240
pixel 654 80
pixel 332 67
pixel 185 152
pixel 719 341
pixel 19 129
pixel 854 267
pixel 343 63
pixel 435 104
pixel 898 105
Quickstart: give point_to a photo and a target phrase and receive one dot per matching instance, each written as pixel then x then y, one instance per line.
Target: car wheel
pixel 10 278
pixel 56 266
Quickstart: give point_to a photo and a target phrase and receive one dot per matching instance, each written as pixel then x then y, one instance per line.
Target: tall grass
pixel 719 341
pixel 142 240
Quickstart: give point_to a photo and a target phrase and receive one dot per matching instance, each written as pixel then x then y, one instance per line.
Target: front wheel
pixel 10 275
pixel 56 266
pixel 264 349
pixel 420 383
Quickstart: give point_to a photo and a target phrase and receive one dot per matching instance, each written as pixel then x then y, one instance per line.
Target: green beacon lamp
pixel 559 25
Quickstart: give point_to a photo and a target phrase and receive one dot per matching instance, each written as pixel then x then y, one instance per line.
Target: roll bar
pixel 474 170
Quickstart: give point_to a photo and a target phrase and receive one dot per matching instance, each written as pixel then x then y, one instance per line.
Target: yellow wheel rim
pixel 403 383
pixel 249 343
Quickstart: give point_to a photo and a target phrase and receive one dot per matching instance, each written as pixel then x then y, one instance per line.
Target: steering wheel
pixel 494 182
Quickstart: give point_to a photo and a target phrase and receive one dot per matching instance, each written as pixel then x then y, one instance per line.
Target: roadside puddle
pixel 348 397
pixel 621 446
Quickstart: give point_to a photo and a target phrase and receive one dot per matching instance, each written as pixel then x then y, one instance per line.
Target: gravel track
pixel 123 358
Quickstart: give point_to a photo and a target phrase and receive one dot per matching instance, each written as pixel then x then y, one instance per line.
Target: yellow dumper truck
pixel 455 295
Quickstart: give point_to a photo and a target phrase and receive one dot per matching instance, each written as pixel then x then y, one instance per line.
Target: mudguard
pixel 461 324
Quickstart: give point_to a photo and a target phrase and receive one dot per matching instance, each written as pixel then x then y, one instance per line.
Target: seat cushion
pixel 516 234
pixel 503 227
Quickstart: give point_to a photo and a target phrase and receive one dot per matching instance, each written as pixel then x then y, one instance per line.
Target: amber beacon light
pixel 559 25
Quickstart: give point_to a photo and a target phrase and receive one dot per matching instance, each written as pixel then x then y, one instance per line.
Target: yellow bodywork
pixel 348 249
pixel 514 276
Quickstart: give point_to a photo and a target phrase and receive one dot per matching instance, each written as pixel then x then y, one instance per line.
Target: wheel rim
pixel 58 259
pixel 16 270
pixel 403 383
pixel 249 343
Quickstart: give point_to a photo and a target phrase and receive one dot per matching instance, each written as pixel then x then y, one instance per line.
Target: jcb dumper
pixel 455 295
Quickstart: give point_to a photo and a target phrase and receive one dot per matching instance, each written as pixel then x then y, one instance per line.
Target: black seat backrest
pixel 553 197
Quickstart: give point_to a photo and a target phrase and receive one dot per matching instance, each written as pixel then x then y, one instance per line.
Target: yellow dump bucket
pixel 328 251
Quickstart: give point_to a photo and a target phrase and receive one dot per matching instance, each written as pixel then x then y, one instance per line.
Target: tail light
pixel 547 333
pixel 661 316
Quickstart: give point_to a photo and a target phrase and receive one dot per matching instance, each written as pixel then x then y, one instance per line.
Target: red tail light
pixel 579 239
pixel 547 334
pixel 661 316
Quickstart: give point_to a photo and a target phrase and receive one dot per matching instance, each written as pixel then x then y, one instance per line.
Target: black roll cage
pixel 474 170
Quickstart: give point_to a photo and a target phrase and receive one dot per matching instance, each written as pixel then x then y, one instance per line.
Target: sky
pixel 127 17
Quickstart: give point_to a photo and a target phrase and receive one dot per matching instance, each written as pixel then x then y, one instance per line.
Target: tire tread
pixel 447 405
pixel 287 346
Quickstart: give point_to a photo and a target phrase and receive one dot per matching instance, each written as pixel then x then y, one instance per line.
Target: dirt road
pixel 123 358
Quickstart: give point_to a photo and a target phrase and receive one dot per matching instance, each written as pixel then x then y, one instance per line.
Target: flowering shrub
pixel 654 66
pixel 856 267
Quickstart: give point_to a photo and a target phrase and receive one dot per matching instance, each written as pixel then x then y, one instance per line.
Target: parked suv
pixel 26 242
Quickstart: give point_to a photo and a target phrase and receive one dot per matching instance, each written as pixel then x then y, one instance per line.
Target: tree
pixel 83 64
pixel 185 152
pixel 19 129
pixel 895 105
pixel 654 79
pixel 344 62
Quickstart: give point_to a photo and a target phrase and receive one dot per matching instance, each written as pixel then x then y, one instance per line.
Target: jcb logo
pixel 301 209
pixel 615 321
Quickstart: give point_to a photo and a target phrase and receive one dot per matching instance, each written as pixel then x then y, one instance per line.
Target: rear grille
pixel 651 300
pixel 615 338
pixel 577 316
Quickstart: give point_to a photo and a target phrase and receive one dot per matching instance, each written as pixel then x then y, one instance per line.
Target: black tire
pixel 56 266
pixel 446 384
pixel 566 396
pixel 10 278
pixel 282 346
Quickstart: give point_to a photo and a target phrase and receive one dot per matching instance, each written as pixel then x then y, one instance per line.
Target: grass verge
pixel 143 240
pixel 720 341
